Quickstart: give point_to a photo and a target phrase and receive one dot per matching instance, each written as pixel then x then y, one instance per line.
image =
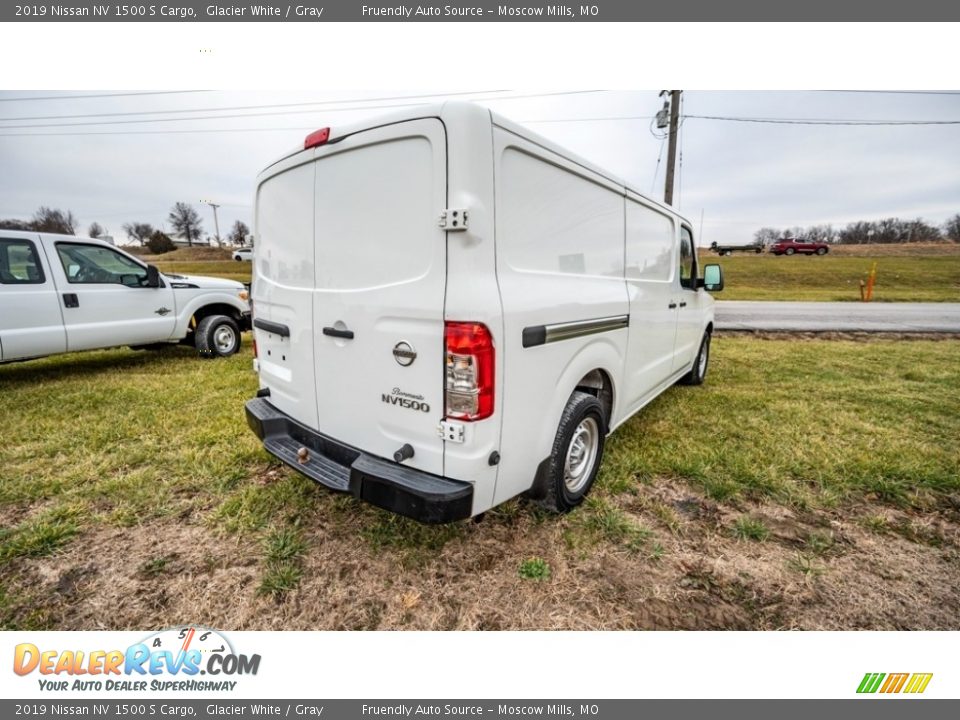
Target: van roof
pixel 448 109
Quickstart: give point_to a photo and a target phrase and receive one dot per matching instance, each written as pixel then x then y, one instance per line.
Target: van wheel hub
pixel 581 454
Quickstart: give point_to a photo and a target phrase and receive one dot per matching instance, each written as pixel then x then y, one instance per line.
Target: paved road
pixel 838 316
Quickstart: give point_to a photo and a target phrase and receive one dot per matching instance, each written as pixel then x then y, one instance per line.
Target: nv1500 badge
pixel 405 400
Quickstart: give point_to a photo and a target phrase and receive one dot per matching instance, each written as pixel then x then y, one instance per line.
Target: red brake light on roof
pixel 469 370
pixel 317 137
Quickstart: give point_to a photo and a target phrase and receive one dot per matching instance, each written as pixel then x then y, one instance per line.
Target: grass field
pixel 920 278
pixel 132 495
pixel 905 273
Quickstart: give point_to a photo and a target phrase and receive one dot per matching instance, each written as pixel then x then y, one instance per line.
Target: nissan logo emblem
pixel 404 354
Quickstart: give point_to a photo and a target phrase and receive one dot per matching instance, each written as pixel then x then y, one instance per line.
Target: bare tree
pixel 238 233
pixel 96 230
pixel 186 222
pixel 138 232
pixel 951 228
pixel 766 235
pixel 54 221
pixel 11 224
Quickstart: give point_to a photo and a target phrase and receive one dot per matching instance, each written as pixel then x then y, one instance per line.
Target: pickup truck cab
pixel 61 293
pixel 799 247
pixel 450 310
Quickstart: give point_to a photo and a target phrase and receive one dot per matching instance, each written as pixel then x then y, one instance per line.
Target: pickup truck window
pixel 19 264
pixel 93 264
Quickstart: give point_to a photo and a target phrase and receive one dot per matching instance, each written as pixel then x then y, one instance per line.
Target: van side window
pixel 688 260
pixel 86 264
pixel 19 264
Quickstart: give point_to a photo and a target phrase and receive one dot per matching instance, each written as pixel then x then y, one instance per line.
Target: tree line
pixel 183 218
pixel 864 232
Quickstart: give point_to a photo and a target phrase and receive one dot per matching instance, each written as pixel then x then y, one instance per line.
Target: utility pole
pixel 672 149
pixel 216 222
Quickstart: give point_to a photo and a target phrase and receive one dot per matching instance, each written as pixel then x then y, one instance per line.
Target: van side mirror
pixel 153 276
pixel 712 278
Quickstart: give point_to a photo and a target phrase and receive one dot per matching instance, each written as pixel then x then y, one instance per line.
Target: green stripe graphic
pixel 871 682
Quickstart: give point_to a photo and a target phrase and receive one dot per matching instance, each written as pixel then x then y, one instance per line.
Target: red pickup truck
pixel 794 246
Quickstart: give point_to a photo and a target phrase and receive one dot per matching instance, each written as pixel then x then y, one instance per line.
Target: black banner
pixel 489 11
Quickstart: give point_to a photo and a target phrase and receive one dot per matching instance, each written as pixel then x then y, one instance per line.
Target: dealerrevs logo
pixel 169 660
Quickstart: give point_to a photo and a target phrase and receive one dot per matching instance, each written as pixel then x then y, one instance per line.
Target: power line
pixel 246 107
pixel 268 114
pixel 198 131
pixel 101 95
pixel 896 92
pixel 785 121
pixel 823 121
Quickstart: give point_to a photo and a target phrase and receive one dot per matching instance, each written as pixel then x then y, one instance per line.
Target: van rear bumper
pixel 400 489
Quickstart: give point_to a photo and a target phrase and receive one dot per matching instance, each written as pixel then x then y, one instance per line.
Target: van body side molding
pixel 542 334
pixel 272 327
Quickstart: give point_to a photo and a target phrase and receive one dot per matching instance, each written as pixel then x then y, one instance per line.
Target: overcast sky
pixel 741 176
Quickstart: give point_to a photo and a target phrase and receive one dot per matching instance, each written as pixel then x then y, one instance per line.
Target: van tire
pixel 217 336
pixel 583 420
pixel 701 364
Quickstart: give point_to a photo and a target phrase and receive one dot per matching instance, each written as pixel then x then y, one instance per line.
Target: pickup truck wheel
pixel 577 452
pixel 821 251
pixel 217 336
pixel 789 251
pixel 699 370
pixel 727 252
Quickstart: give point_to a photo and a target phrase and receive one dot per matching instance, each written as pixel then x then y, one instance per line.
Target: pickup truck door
pixel 31 324
pixel 105 299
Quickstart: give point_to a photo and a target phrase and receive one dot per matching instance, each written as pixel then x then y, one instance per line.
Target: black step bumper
pixel 403 490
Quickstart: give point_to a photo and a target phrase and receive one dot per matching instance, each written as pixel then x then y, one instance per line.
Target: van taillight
pixel 470 372
pixel 317 137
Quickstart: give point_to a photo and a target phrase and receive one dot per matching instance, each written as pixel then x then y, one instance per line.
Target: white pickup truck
pixel 60 293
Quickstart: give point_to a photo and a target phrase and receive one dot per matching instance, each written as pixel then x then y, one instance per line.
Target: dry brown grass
pixel 187 254
pixel 816 570
pixel 898 250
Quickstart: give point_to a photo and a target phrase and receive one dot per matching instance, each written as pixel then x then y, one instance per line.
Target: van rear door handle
pixel 683 304
pixel 334 332
pixel 672 305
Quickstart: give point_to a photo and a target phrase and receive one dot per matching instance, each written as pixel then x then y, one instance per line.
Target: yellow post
pixel 871 279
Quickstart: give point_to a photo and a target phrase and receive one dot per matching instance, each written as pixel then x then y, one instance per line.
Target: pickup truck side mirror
pixel 712 279
pixel 153 276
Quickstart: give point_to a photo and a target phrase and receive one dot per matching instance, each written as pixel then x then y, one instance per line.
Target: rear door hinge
pixel 454 219
pixel 451 431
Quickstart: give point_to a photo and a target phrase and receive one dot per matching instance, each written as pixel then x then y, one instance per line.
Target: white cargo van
pixel 450 310
pixel 61 293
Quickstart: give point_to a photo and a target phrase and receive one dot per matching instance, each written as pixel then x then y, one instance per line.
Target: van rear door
pixel 349 296
pixel 380 276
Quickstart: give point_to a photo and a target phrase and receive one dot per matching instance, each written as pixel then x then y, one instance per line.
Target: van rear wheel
pixel 577 453
pixel 217 336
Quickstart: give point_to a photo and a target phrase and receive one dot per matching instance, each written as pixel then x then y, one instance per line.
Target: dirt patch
pixel 837 569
